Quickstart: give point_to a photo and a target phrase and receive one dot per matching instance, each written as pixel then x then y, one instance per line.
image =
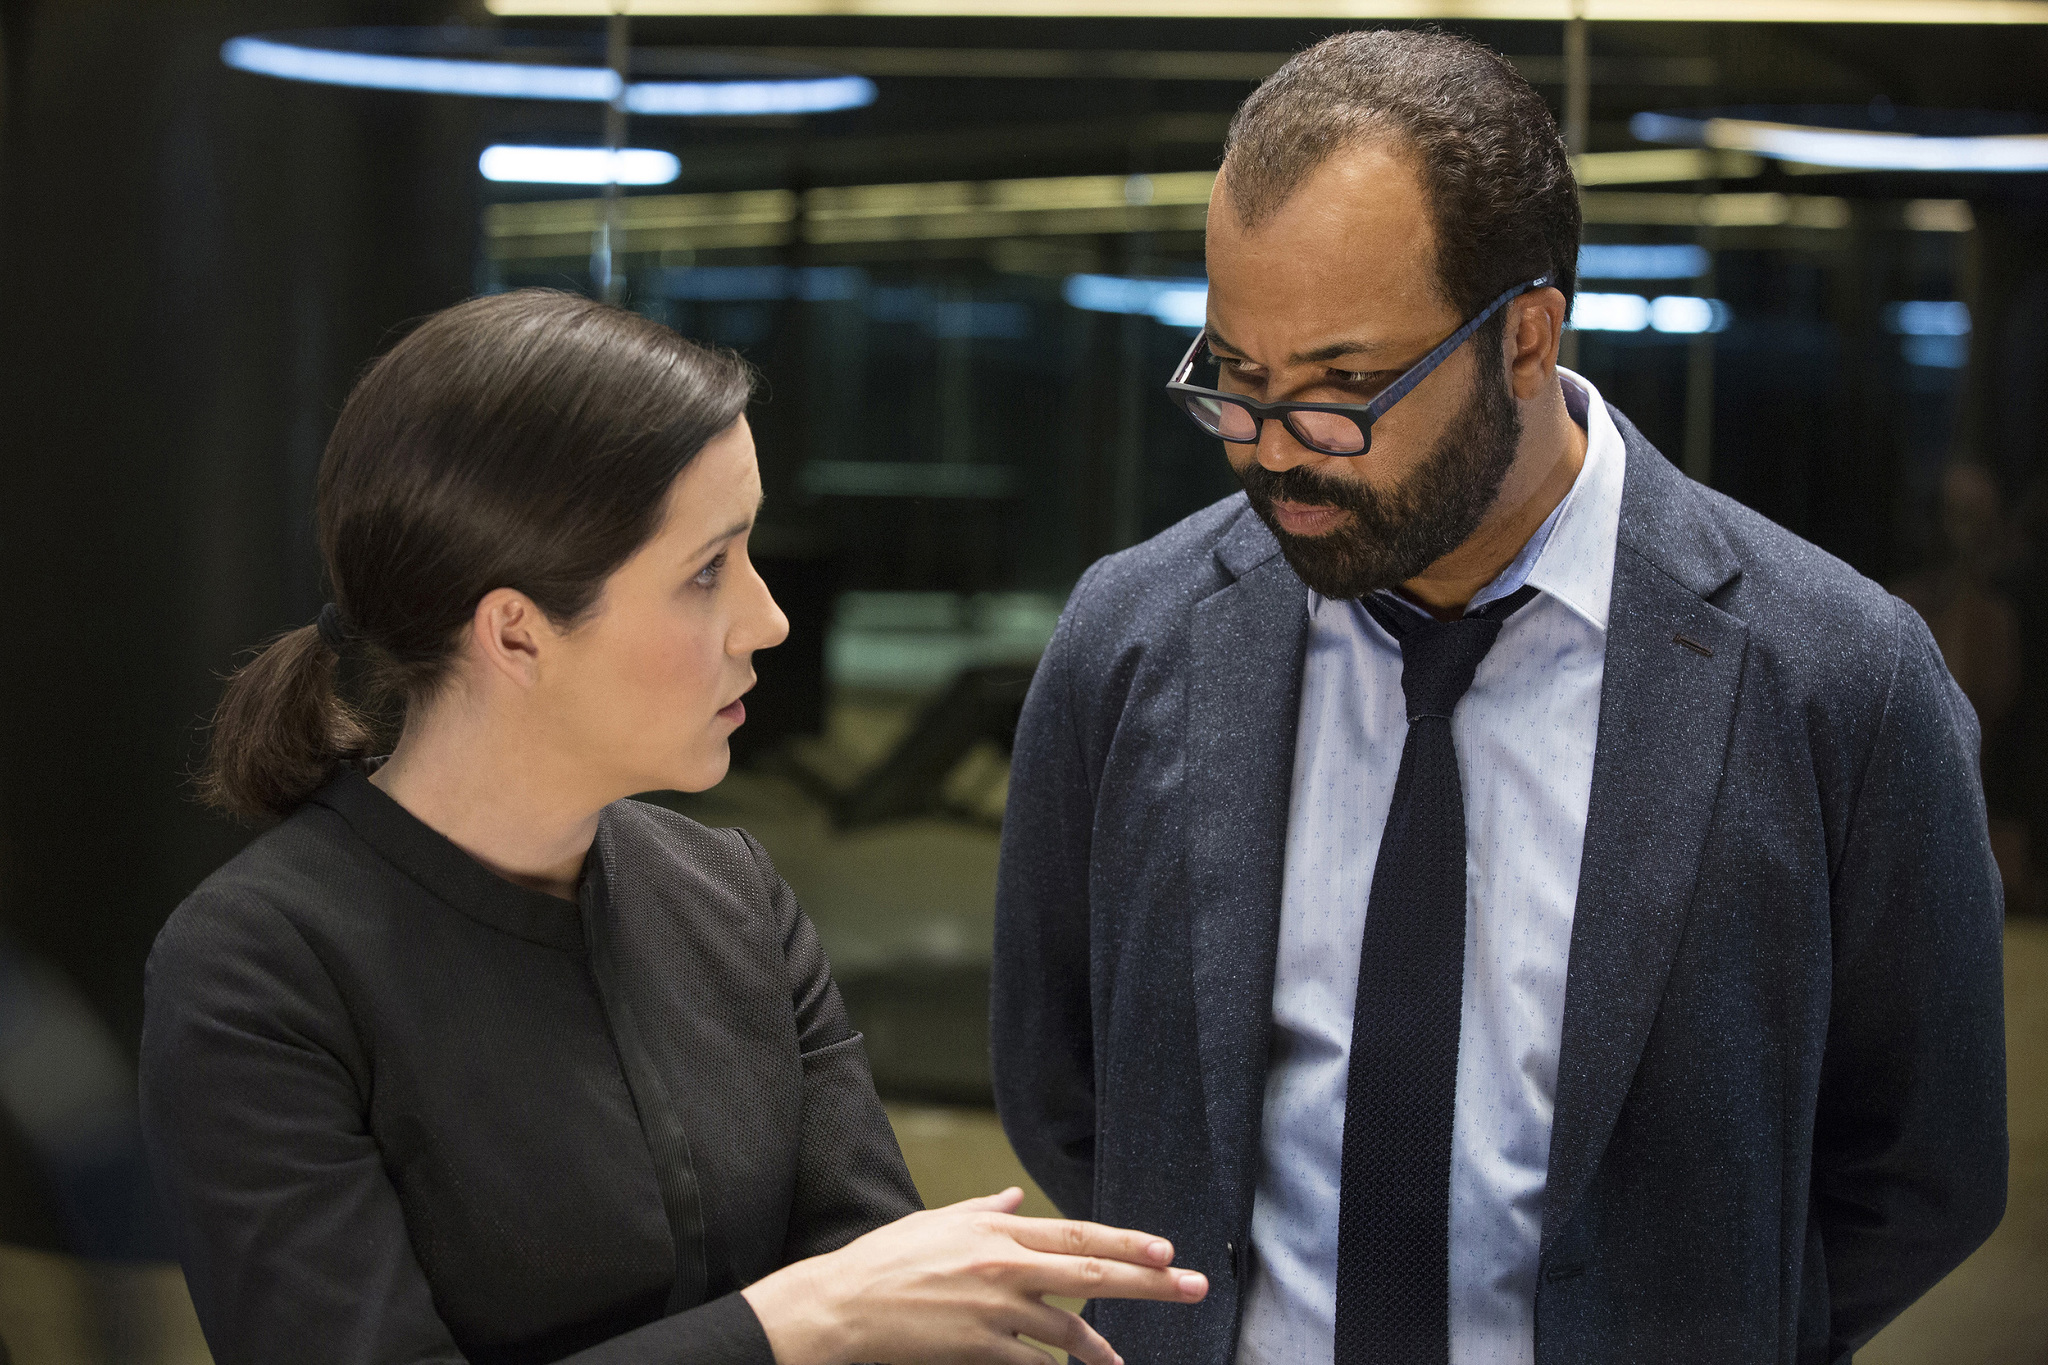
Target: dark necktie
pixel 1393 1218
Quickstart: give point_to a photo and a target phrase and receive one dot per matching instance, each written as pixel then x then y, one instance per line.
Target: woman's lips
pixel 1308 518
pixel 736 712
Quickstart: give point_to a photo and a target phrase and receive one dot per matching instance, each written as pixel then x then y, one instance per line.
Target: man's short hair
pixel 1493 167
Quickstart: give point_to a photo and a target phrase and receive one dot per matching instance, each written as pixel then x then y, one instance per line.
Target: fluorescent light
pixel 533 81
pixel 1936 352
pixel 431 75
pixel 578 165
pixel 1635 11
pixel 741 98
pixel 1677 314
pixel 1177 303
pixel 1685 315
pixel 1848 148
pixel 1610 313
pixel 1630 261
pixel 1928 318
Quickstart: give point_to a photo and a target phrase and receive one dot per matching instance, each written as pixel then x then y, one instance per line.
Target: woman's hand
pixel 960 1284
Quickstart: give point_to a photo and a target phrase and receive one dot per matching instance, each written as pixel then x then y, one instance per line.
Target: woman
pixel 470 1058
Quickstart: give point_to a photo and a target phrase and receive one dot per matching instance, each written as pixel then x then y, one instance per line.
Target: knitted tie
pixel 1393 1216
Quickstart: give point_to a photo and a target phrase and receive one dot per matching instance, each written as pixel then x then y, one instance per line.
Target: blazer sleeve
pixel 850 1175
pixel 1041 1018
pixel 1910 1135
pixel 292 1237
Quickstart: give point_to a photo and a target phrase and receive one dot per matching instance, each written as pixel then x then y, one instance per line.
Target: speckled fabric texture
pixel 401 1110
pixel 1780 1100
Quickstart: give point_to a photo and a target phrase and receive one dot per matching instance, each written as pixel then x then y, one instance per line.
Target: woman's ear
pixel 508 633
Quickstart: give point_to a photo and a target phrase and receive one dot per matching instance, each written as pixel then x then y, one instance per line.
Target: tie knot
pixel 1438 661
pixel 1440 658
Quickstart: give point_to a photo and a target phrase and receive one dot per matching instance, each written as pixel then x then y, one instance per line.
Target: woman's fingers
pixel 1007 1201
pixel 1058 1327
pixel 1071 1237
pixel 1095 1277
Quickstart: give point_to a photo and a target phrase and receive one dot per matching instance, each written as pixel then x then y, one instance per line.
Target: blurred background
pixel 963 243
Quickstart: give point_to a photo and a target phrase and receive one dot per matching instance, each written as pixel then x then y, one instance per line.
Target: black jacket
pixel 1780 1106
pixel 402 1110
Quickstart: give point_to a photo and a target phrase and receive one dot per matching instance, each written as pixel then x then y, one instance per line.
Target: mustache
pixel 1301 484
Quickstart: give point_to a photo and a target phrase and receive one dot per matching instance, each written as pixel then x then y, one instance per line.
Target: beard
pixel 1394 534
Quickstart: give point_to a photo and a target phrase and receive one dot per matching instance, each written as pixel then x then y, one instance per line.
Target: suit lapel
pixel 1244 693
pixel 1674 662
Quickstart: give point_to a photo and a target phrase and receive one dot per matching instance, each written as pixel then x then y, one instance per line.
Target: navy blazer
pixel 1781 1093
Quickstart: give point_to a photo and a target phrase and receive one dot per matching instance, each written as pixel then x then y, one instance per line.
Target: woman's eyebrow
pixel 737 528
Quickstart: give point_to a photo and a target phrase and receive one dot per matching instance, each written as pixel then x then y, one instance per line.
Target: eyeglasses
pixel 1327 428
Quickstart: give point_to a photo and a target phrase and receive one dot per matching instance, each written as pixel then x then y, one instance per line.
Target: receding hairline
pixel 1269 194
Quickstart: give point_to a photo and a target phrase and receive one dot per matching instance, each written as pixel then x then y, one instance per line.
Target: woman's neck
pixel 496 799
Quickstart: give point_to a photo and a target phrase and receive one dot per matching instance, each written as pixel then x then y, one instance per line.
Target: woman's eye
pixel 707 577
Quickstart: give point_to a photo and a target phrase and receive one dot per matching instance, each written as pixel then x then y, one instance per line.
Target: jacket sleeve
pixel 1910 1136
pixel 293 1240
pixel 850 1175
pixel 1041 1030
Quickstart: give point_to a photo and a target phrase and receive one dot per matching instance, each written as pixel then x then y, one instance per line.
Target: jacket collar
pixel 426 856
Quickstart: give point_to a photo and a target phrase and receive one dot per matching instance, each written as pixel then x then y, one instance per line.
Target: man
pixel 1483 896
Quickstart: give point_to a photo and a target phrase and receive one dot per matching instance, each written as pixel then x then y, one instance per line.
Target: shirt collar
pixel 1571 555
pixel 1576 562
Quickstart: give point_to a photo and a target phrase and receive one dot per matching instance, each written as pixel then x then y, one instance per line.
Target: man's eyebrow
pixel 1333 351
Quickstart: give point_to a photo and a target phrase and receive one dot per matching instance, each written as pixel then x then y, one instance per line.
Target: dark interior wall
pixel 197 261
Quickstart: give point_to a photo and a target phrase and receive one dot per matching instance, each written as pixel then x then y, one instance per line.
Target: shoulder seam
pixel 1884 712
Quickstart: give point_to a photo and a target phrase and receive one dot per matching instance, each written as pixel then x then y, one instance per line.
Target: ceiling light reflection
pixel 1848 148
pixel 492 78
pixel 578 165
pixel 1177 303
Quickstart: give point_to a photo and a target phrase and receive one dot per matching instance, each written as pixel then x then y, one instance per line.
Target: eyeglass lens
pixel 1332 433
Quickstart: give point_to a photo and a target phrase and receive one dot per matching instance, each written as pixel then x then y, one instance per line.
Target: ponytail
pixel 281 730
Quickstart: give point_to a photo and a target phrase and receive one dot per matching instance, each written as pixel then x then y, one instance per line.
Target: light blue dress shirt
pixel 1525 736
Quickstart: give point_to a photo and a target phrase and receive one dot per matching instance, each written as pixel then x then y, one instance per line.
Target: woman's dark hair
pixel 1502 197
pixel 523 440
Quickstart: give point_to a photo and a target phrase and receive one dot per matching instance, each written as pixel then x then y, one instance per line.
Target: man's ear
pixel 508 633
pixel 1530 341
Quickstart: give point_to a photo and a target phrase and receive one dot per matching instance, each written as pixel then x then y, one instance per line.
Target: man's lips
pixel 1308 518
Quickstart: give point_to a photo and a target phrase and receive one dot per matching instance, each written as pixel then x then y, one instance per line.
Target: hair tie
pixel 334 633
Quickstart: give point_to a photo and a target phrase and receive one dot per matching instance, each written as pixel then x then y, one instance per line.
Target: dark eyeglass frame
pixel 1362 415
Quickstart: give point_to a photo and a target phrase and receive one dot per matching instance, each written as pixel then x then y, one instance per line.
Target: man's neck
pixel 1552 452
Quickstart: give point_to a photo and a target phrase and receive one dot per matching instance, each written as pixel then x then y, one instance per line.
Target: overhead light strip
pixel 1848 148
pixel 1631 11
pixel 540 81
pixel 1060 206
pixel 528 165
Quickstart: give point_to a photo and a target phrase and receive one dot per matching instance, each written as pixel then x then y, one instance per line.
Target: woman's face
pixel 647 686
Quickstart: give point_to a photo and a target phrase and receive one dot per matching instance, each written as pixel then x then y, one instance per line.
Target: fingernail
pixel 1161 1252
pixel 1190 1282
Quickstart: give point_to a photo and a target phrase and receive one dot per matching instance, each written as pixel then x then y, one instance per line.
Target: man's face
pixel 1328 300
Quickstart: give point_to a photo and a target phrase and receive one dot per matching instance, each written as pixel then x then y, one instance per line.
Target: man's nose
pixel 1279 451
